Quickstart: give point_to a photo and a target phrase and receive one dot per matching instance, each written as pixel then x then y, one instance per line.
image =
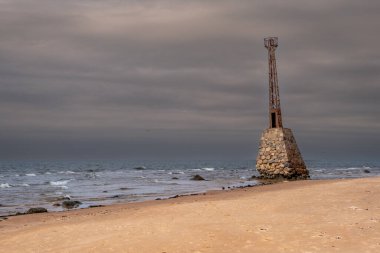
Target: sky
pixel 172 79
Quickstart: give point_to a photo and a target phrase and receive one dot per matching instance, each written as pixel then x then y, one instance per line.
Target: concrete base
pixel 279 155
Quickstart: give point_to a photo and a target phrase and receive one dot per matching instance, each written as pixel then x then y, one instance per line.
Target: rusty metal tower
pixel 275 119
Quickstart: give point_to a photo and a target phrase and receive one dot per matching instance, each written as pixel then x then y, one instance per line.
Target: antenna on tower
pixel 275 118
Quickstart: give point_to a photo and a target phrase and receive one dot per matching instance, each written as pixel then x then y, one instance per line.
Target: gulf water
pixel 25 184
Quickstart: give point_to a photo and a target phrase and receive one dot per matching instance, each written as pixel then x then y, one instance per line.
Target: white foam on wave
pixel 6 185
pixel 25 185
pixel 208 169
pixel 66 172
pixel 30 174
pixel 59 183
pixel 48 173
pixel 352 168
pixel 196 169
pixel 366 167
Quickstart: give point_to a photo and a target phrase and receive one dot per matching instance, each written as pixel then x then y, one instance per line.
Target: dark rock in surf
pixel 140 168
pixel 36 210
pixel 366 171
pixel 69 204
pixel 197 178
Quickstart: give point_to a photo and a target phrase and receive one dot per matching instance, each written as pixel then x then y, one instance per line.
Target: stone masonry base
pixel 279 155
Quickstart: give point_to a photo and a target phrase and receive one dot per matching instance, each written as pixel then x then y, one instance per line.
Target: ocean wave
pixel 48 173
pixel 25 185
pixel 208 169
pixel 66 172
pixel 59 183
pixel 30 174
pixel 6 185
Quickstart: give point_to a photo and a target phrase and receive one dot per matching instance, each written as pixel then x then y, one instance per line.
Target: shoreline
pixel 261 182
pixel 294 212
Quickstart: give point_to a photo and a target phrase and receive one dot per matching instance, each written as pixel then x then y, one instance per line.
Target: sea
pixel 26 184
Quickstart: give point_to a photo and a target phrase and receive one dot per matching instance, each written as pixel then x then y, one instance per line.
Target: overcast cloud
pixel 174 79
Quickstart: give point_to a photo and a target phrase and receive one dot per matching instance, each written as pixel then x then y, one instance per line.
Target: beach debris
pixel 93 206
pixel 140 168
pixel 69 204
pixel 197 178
pixel 36 210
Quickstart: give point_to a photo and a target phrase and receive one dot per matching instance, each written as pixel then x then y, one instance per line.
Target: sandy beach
pixel 302 216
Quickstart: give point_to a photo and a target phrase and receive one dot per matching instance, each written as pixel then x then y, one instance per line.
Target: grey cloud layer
pixel 184 77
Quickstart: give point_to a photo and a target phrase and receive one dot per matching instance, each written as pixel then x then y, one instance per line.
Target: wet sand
pixel 303 216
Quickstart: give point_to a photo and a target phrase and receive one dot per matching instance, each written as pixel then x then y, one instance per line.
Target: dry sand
pixel 304 216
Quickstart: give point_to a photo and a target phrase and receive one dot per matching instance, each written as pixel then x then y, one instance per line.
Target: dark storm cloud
pixel 171 78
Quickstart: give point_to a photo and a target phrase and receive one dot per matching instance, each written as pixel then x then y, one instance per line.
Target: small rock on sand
pixel 36 210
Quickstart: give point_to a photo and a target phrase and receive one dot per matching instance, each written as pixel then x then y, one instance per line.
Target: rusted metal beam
pixel 275 118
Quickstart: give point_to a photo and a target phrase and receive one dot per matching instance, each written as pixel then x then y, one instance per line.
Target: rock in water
pixel 140 168
pixel 69 204
pixel 366 171
pixel 36 210
pixel 197 178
